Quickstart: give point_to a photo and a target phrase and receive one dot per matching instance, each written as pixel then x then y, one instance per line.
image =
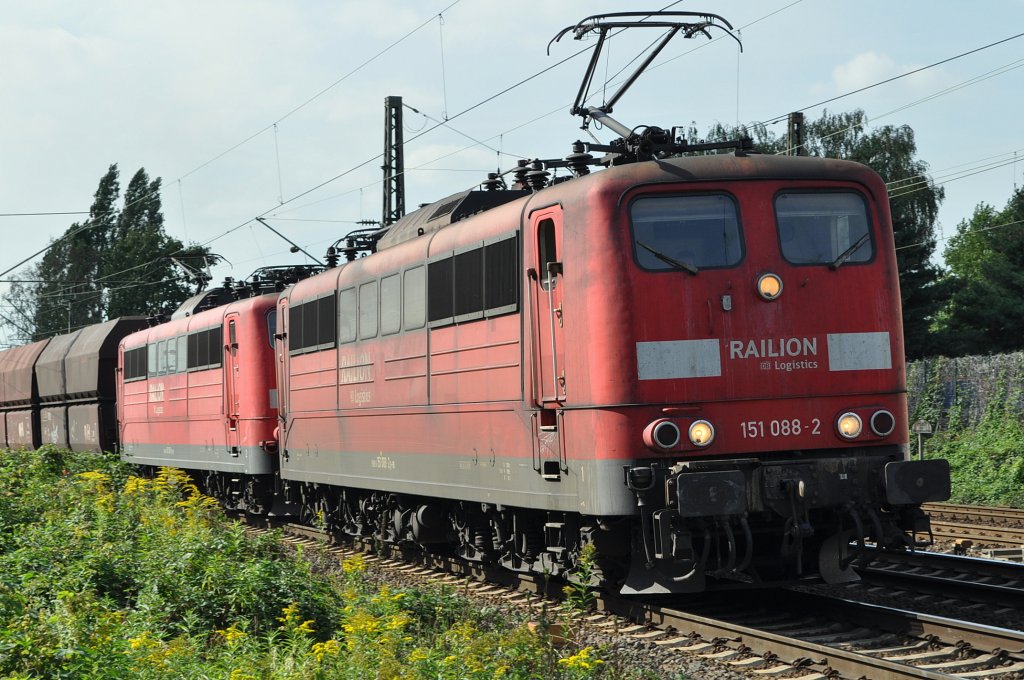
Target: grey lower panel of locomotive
pixel 588 487
pixel 249 460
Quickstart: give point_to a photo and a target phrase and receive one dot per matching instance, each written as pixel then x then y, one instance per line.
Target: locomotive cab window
pixel 823 228
pixel 271 326
pixel 548 252
pixel 685 232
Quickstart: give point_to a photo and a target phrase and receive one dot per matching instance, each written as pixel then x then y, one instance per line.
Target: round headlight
pixel 769 286
pixel 882 423
pixel 849 425
pixel 666 434
pixel 701 433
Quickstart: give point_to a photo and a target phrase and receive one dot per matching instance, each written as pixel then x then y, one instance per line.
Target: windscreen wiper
pixel 848 253
pixel 685 266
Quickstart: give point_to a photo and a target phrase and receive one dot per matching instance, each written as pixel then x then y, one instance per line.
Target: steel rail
pixel 819 660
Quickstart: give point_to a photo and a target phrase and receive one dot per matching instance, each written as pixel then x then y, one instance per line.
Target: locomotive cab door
pixel 546 294
pixel 231 385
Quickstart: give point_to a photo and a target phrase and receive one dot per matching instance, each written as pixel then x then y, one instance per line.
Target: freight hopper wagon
pixel 61 390
pixel 694 364
pixel 198 393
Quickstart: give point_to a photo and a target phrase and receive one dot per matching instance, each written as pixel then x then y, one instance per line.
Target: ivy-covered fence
pixel 954 394
pixel 976 407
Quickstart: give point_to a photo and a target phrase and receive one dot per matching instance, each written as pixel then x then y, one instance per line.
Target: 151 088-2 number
pixel 786 427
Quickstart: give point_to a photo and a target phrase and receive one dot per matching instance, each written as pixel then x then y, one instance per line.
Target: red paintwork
pixel 478 385
pixel 197 407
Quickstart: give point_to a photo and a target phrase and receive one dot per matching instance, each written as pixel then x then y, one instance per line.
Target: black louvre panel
pixel 469 282
pixel 193 350
pixel 439 289
pixel 295 328
pixel 501 271
pixel 327 320
pixel 216 346
pixel 309 324
pixel 203 341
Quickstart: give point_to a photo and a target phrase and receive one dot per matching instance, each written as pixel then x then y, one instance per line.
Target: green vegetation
pixel 986 452
pixel 117 262
pixel 108 575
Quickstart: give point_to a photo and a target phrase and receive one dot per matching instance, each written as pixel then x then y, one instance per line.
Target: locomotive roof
pixel 434 216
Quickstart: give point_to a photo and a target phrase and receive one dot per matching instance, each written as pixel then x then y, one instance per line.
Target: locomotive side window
pixel 172 356
pixel 161 357
pixel 390 304
pixel 686 232
pixel 414 284
pixel 348 315
pixel 182 343
pixel 823 228
pixel 368 310
pixel 151 360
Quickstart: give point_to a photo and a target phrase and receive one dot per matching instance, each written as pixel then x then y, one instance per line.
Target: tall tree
pixel 143 277
pixel 116 263
pixel 986 280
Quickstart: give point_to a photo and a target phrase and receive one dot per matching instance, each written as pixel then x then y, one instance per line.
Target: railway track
pixel 987 525
pixel 965 583
pixel 789 633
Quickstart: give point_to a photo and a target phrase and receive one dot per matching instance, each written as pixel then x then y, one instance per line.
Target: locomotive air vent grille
pixel 445 208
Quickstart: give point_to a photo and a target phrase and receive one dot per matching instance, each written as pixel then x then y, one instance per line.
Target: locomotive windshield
pixel 671 232
pixel 823 228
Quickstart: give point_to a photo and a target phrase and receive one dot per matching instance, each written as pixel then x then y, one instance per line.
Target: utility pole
pixel 394 163
pixel 795 134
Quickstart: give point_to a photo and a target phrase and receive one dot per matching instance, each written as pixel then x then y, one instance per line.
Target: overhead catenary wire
pixel 338 176
pixel 894 78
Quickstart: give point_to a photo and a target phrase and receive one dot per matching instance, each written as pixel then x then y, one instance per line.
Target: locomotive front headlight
pixel 769 286
pixel 702 433
pixel 882 423
pixel 849 425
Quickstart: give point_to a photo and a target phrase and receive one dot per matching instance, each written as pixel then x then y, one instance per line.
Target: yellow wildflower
pixel 354 565
pixel 232 634
pixel 419 655
pixel 582 659
pixel 291 614
pixel 135 485
pixel 328 648
pixel 144 640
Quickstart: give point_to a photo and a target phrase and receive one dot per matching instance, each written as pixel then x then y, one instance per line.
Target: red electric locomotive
pixel 693 364
pixel 199 393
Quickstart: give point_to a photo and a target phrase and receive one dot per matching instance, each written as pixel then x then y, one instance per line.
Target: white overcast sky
pixel 176 87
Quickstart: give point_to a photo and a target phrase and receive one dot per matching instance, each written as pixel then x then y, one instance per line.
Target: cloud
pixel 864 69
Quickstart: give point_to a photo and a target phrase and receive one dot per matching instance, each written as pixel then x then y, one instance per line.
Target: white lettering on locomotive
pixel 772 348
pixel 355 368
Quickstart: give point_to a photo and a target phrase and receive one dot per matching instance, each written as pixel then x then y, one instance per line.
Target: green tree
pixel 986 280
pixel 116 263
pixel 141 253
